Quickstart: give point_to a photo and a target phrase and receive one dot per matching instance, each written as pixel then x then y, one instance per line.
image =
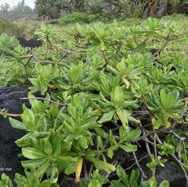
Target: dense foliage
pixel 102 94
pixel 110 9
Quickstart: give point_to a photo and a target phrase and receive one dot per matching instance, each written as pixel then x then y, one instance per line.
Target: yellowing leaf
pixel 102 46
pixel 126 82
pixel 78 169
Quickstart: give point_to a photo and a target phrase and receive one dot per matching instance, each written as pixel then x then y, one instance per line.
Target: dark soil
pixel 9 160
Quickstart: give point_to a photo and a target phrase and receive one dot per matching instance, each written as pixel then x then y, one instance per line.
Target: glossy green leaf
pixel 33 153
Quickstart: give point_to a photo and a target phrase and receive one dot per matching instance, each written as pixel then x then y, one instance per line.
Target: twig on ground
pixel 179 163
pixel 144 137
pixel 44 99
pixel 182 167
pixel 135 162
pixel 46 61
pixel 139 167
pixel 163 46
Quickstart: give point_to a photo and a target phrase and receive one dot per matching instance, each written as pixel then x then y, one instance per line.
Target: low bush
pixel 74 17
pixel 104 95
pixel 10 28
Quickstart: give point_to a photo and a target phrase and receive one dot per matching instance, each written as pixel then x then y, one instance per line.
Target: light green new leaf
pixel 153 182
pixel 83 142
pixel 106 117
pixel 100 142
pixel 128 135
pixel 33 163
pixel 128 147
pixel 122 175
pixel 110 152
pixel 28 117
pixel 102 46
pixel 76 101
pixel 94 183
pixel 43 26
pixel 122 114
pixel 75 74
pixel 157 123
pixel 134 176
pixel 164 183
pixel 163 98
pixel 133 134
pixel 111 138
pixel 17 124
pixel 117 95
pixel 121 66
pixel 102 166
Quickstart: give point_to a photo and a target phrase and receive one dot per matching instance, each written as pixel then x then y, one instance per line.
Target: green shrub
pixel 10 28
pixel 74 18
pixel 97 97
